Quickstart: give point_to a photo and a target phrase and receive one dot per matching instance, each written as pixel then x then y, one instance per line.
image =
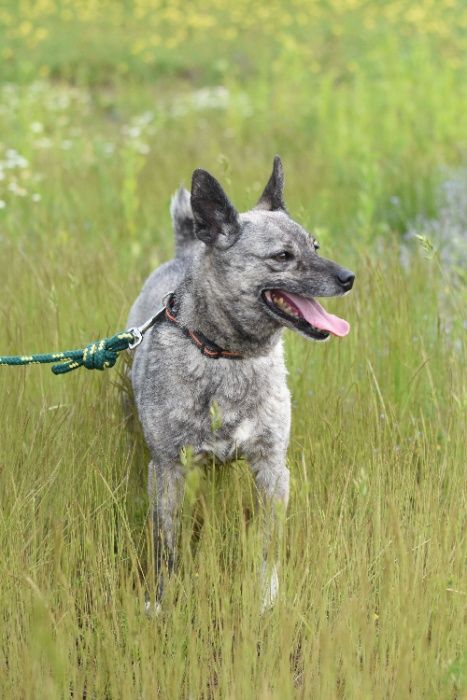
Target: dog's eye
pixel 316 245
pixel 283 256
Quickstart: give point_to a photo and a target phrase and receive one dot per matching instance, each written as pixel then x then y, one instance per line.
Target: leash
pixel 103 354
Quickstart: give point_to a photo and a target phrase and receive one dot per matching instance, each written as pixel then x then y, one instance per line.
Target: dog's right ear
pixel 216 219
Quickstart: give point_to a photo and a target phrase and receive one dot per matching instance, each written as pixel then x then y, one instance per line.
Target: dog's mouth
pixel 305 314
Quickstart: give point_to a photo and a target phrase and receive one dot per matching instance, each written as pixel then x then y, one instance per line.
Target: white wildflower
pixel 16 189
pixel 133 132
pixel 37 128
pixel 14 159
pixel 211 98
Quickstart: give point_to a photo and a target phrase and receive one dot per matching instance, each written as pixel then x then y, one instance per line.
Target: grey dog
pixel 236 281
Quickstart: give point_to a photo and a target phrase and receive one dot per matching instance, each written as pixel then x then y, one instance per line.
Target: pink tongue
pixel 317 316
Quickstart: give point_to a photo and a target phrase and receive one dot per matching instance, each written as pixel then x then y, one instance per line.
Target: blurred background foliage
pixel 365 101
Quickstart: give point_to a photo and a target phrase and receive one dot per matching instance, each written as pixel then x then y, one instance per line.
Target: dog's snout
pixel 345 278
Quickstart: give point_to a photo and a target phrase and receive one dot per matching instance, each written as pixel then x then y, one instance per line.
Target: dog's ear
pixel 216 219
pixel 273 195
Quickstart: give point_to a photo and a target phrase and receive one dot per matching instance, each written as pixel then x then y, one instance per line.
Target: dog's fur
pixel 224 261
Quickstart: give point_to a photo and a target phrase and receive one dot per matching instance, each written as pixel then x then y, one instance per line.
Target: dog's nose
pixel 346 278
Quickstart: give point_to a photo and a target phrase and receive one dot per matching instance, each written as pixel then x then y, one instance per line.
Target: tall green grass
pixel 373 595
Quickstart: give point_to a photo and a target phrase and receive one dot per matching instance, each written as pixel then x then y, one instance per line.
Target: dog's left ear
pixel 216 219
pixel 273 195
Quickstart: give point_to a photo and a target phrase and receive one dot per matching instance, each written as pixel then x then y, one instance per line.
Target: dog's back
pixel 165 278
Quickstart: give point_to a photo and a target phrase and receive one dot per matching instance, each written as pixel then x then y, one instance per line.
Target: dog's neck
pixel 204 306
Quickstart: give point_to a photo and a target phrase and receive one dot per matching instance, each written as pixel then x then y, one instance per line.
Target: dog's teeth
pixel 283 305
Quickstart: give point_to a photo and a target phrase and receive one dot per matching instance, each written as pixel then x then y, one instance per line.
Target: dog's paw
pixel 269 587
pixel 152 609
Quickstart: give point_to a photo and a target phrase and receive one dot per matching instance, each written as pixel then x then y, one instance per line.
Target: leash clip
pixel 137 338
pixel 139 331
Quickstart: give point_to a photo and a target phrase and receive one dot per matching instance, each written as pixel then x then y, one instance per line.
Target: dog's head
pixel 262 264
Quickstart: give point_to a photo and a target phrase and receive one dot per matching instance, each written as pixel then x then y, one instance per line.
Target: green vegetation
pixel 104 109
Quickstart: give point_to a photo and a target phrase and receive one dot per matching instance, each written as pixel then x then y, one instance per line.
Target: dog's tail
pixel 182 219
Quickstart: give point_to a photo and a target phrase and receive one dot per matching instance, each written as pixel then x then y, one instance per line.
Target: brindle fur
pixel 223 262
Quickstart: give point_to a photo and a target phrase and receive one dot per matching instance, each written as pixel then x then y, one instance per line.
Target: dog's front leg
pixel 165 486
pixel 272 483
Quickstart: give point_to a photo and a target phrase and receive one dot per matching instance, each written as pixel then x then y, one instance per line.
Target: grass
pixel 373 595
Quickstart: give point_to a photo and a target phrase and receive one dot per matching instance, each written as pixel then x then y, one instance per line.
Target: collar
pixel 205 346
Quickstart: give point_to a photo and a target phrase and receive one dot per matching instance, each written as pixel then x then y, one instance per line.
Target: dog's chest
pixel 247 405
pixel 225 408
pixel 232 442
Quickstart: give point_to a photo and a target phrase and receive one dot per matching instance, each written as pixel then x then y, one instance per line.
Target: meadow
pixel 105 108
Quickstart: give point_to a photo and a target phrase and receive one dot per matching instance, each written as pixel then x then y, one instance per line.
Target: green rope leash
pixel 100 354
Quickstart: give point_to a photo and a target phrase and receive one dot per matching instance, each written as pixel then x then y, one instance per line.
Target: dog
pixel 237 280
